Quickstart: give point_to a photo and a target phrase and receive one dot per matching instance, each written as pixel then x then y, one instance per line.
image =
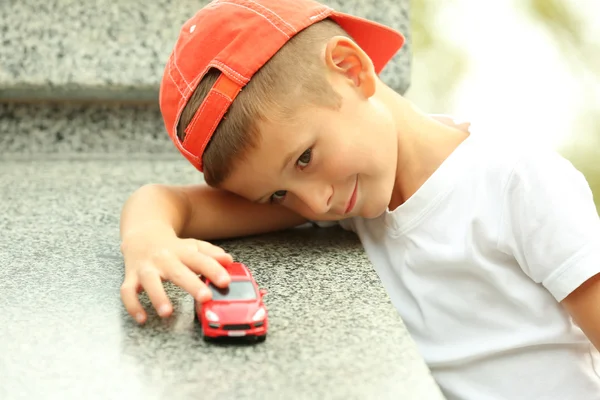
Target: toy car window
pixel 237 290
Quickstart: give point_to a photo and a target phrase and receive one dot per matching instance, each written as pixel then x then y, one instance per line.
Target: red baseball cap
pixel 238 37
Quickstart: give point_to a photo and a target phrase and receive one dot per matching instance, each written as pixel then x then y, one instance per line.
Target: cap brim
pixel 380 42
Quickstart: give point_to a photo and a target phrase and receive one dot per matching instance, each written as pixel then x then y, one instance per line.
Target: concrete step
pixel 49 129
pixel 116 51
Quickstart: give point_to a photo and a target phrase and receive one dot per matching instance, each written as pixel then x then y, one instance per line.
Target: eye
pixel 278 196
pixel 305 158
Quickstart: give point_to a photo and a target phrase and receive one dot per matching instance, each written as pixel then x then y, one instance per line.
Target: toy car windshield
pixel 237 290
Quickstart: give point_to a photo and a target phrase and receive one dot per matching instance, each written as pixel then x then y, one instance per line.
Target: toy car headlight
pixel 211 316
pixel 260 314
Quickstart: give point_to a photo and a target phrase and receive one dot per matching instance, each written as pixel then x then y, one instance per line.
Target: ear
pixel 346 58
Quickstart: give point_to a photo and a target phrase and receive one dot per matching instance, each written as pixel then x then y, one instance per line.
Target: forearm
pixel 584 306
pixel 154 207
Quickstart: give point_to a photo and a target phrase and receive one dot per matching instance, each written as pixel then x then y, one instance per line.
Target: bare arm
pixel 165 232
pixel 584 306
pixel 217 214
pixel 202 212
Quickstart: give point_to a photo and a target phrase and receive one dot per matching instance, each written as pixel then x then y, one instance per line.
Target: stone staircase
pixel 82 77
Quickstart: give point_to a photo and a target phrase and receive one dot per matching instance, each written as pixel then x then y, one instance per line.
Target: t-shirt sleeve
pixel 345 224
pixel 348 224
pixel 550 223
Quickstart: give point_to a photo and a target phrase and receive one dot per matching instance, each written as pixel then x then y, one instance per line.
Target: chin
pixel 374 209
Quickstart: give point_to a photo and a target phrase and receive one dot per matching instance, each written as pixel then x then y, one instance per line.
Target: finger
pixel 216 252
pixel 186 279
pixel 210 249
pixel 465 126
pixel 221 258
pixel 129 297
pixel 224 259
pixel 208 267
pixel 152 283
pixel 444 119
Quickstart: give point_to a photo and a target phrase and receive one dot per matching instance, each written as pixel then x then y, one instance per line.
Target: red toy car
pixel 237 310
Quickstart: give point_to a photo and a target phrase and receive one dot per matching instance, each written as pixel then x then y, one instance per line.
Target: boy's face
pixel 327 164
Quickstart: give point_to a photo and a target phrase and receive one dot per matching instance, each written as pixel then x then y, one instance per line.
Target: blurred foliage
pixel 567 26
pixel 430 46
pixel 565 23
pixel 559 17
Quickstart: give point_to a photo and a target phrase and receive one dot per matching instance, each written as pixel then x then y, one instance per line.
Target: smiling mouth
pixel 352 200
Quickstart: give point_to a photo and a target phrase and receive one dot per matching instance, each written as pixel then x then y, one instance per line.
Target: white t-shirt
pixel 476 263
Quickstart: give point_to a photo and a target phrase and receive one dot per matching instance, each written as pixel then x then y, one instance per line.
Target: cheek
pixel 345 154
pixel 378 143
pixel 339 165
pixel 369 140
pixel 302 209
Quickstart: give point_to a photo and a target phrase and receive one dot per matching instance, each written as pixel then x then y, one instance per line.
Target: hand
pixel 155 255
pixel 446 120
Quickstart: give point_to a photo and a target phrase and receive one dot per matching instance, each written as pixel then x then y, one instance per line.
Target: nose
pixel 316 196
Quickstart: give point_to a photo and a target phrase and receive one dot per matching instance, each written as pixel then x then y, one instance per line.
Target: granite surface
pixel 104 49
pixel 60 128
pixel 65 335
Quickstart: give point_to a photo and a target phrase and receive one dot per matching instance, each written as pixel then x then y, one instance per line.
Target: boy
pixel 489 253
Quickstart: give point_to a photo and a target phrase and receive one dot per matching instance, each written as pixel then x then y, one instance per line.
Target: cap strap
pixel 209 114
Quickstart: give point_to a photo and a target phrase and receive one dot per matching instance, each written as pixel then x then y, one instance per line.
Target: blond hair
pixel 294 77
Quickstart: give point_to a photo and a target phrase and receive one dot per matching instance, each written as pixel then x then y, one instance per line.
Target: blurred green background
pixel 514 67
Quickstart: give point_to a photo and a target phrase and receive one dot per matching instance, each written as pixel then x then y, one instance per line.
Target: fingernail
pixel 163 310
pixel 203 293
pixel 139 317
pixel 222 279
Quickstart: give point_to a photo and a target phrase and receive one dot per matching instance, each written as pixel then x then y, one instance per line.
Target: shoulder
pixel 523 166
pixel 542 189
pixel 544 174
pixel 549 221
pixel 488 166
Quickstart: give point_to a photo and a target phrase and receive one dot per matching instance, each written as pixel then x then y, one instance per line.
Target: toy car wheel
pixel 202 335
pixel 261 338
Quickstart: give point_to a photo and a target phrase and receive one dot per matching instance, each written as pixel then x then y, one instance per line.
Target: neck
pixel 423 145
